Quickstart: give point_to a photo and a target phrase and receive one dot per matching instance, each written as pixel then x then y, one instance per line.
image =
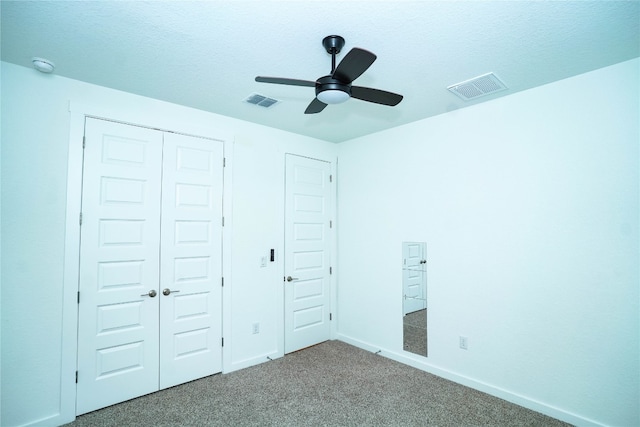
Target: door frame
pixel 130 114
pixel 333 233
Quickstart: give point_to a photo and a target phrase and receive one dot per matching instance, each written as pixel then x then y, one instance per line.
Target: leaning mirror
pixel 414 297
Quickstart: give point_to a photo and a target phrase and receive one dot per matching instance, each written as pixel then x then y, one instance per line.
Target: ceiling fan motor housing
pixel 329 83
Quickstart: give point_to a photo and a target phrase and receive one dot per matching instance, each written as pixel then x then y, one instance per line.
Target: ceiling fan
pixel 336 87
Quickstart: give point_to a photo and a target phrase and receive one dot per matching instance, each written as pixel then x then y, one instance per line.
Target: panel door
pixel 191 260
pixel 414 277
pixel 118 283
pixel 307 252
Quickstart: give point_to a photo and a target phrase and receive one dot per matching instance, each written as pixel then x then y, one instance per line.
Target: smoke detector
pixel 43 65
pixel 476 87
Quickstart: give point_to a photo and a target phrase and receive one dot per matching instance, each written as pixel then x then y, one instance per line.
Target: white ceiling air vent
pixel 478 86
pixel 260 100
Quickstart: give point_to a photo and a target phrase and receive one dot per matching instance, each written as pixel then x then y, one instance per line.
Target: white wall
pixel 528 204
pixel 258 226
pixel 529 207
pixel 35 149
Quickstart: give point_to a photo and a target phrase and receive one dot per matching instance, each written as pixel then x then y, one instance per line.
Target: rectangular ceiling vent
pixel 260 100
pixel 483 85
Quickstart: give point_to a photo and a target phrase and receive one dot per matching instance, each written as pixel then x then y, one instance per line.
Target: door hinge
pixel 223 341
pixel 80 218
pixel 84 142
pixel 330 316
pixel 330 224
pixel 76 377
pixel 330 270
pixel 224 162
pixel 223 221
pixel 223 282
pixel 330 178
pixel 78 297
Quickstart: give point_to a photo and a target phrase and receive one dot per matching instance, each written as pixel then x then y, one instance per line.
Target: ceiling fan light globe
pixel 333 96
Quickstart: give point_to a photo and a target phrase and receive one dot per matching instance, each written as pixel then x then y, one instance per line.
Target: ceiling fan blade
pixel 375 95
pixel 285 81
pixel 315 106
pixel 353 65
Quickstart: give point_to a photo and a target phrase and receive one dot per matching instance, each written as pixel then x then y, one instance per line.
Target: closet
pixel 149 301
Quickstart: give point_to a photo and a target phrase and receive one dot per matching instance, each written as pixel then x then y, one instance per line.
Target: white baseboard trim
pixel 418 363
pixel 246 363
pixel 52 420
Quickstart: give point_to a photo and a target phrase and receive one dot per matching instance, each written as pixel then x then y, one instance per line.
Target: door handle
pixel 167 291
pixel 152 293
pixel 291 279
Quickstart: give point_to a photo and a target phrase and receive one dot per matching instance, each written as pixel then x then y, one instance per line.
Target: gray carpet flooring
pixel 330 384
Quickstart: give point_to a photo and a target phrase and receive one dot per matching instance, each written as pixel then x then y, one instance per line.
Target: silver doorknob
pixel 291 279
pixel 167 291
pixel 152 293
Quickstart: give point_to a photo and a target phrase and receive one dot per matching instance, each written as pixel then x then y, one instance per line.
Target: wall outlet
pixel 255 328
pixel 464 343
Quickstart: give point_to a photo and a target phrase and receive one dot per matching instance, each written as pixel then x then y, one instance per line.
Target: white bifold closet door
pixel 150 262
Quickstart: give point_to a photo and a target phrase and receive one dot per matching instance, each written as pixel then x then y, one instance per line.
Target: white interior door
pixel 191 260
pixel 414 277
pixel 119 269
pixel 307 252
pixel 150 262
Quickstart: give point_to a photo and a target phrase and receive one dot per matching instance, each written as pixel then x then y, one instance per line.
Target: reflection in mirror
pixel 414 297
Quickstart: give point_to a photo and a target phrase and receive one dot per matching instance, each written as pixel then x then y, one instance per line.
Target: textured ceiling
pixel 205 54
